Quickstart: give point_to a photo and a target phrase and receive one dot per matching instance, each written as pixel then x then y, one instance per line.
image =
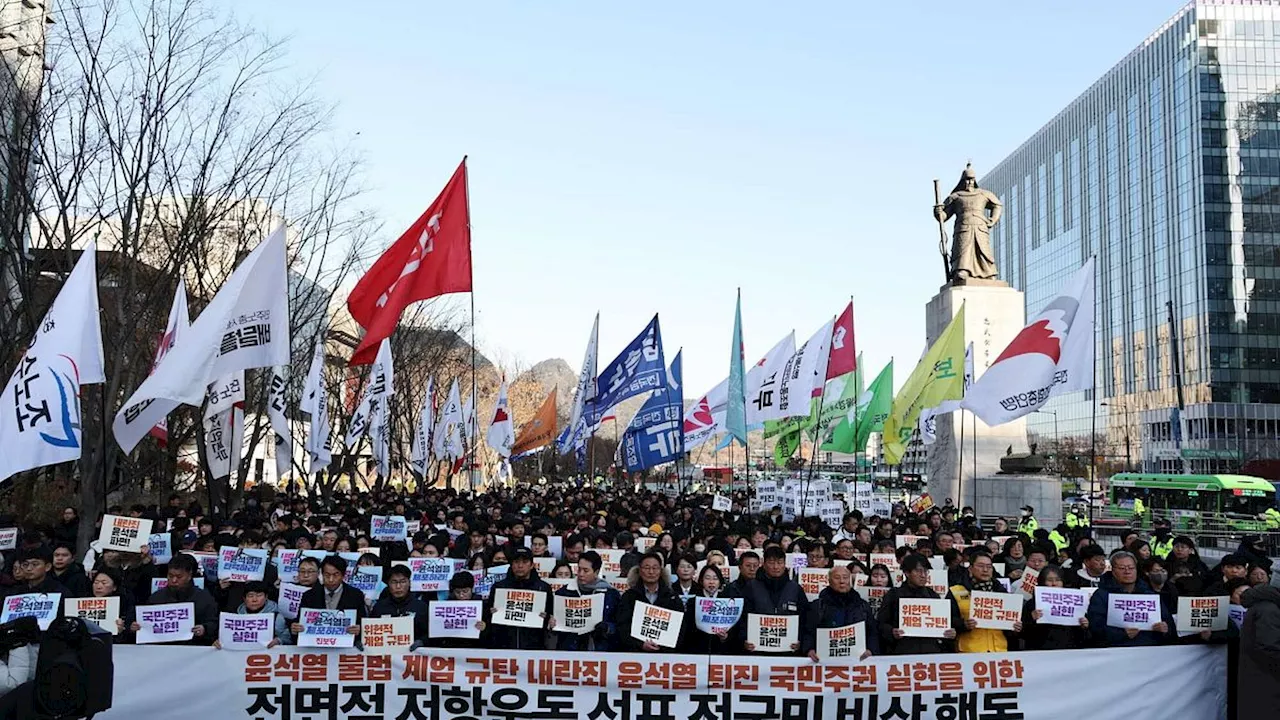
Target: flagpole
pixel 475 398
pixel 960 465
pixel 1093 421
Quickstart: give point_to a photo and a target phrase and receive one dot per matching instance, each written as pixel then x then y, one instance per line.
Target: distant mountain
pixel 530 389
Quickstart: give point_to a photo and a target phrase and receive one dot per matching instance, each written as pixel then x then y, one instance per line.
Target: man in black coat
pixel 773 592
pixel 332 594
pixel 1259 678
pixel 521 576
pixel 893 640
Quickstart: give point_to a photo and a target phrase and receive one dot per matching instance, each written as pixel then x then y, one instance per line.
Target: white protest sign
pixel 795 561
pixel 387 635
pixel 8 538
pixel 290 600
pixel 41 606
pixel 544 566
pixel 711 614
pixel 326 628
pixel 611 562
pixel 519 608
pixel 1061 606
pixel 104 611
pixel 1140 612
pixel 720 503
pixel 488 578
pixel 366 579
pixel 813 581
pixel 454 619
pixel 160 546
pixel 171 622
pixel 557 584
pixel 388 528
pixel 246 632
pixel 125 534
pixel 995 611
pixel 767 494
pixel 842 643
pixel 1028 583
pixel 938 582
pixel 286 562
pixel 158 584
pixel 657 625
pixel 578 615
pixel 643 544
pixel 773 633
pixel 888 560
pixel 241 564
pixel 430 574
pixel 1197 614
pixel 924 617
pixel 831 512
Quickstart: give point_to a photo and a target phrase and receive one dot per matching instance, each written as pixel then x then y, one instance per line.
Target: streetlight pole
pixel 1057 439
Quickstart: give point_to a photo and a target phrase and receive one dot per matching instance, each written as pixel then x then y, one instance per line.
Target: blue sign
pixel 656 434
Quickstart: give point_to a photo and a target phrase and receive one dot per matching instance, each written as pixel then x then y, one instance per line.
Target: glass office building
pixel 1168 170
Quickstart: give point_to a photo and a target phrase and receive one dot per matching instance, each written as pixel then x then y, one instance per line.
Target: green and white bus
pixel 1188 500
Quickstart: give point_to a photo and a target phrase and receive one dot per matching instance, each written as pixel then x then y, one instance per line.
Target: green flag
pixel 846 437
pixel 938 377
pixel 735 414
pixel 785 448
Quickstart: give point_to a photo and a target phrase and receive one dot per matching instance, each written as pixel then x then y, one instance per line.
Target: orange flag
pixel 539 431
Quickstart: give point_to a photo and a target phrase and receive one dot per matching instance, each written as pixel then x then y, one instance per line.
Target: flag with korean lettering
pixel 1052 355
pixel 764 381
pixel 315 403
pixel 654 435
pixel 803 376
pixel 277 413
pixel 245 326
pixel 179 321
pixel 40 414
pixel 420 450
pixel 379 387
pixel 939 376
pixel 638 369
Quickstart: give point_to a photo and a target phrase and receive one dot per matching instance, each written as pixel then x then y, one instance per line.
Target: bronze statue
pixel 972 258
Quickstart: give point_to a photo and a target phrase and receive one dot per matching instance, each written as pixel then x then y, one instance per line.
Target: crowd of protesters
pixel 691 551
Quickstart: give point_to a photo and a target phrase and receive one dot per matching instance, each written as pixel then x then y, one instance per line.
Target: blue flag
pixel 655 434
pixel 638 369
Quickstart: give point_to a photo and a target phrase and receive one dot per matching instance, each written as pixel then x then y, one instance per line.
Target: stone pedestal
pixel 994 314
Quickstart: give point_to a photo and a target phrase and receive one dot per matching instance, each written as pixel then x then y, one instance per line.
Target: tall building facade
pixel 1167 170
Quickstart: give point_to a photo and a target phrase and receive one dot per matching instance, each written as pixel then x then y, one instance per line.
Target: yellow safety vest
pixel 1059 542
pixel 1139 507
pixel 1028 525
pixel 1161 549
pixel 1273 517
pixel 978 640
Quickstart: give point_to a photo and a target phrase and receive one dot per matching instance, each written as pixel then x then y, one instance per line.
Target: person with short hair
pixel 180 588
pixel 916 586
pixel 839 605
pixel 604 637
pixel 773 592
pixel 36 564
pixel 981 578
pixel 398 601
pixel 1093 567
pixel 521 575
pixel 69 572
pixel 1124 578
pixel 333 593
pixel 256 600
pixel 648 584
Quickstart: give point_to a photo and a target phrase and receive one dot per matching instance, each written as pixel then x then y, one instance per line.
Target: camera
pixel 16 633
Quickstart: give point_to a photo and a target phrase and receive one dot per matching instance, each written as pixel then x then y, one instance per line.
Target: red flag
pixel 431 258
pixel 844 353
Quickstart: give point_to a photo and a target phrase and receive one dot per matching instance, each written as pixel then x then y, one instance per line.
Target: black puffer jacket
pixel 832 610
pixel 1259 678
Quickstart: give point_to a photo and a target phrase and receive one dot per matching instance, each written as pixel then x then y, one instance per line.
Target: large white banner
pixel 442 684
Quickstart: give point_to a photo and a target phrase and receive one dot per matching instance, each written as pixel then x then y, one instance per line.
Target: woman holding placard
pixel 721 641
pixel 1043 636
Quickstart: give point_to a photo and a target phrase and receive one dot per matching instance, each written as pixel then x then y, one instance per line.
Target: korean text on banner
pixel 657 625
pixel 720 503
pixel 290 600
pixel 1139 612
pixel 102 611
pixel 241 564
pixel 813 581
pixel 578 615
pixel 326 628
pixel 1061 606
pixel 246 632
pixel 455 619
pixel 519 608
pixel 773 633
pixel 125 534
pixel 995 611
pixel 388 527
pixel 171 622
pixel 711 614
pixel 842 644
pixel 1197 614
pixel 387 635
pixel 8 538
pixel 41 606
pixel 429 574
pixel 924 618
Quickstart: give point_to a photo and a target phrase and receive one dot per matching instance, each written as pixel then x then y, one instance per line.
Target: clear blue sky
pixel 652 157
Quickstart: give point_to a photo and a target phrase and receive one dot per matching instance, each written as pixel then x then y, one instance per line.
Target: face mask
pixel 1158 578
pixel 1025 513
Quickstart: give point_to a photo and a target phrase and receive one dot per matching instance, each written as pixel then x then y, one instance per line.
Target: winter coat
pixel 1039 636
pixel 977 640
pixel 206 610
pixel 775 596
pixel 627 610
pixel 282 634
pixel 75 580
pixel 1258 682
pixel 506 637
pixel 697 642
pixel 833 610
pixel 605 637
pixel 889 620
pixel 1106 636
pixel 410 606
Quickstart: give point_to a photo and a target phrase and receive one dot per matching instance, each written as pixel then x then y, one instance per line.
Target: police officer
pixel 1077 518
pixel 1139 511
pixel 1028 524
pixel 1161 539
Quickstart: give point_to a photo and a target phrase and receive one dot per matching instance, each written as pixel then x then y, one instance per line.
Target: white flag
pixel 421 451
pixel 40 413
pixel 763 381
pixel 928 425
pixel 704 419
pixel 502 433
pixel 586 389
pixel 179 321
pixel 804 372
pixel 469 423
pixel 315 403
pixel 223 438
pixel 245 326
pixel 277 403
pixel 376 391
pixel 1053 354
pixel 224 393
pixel 448 441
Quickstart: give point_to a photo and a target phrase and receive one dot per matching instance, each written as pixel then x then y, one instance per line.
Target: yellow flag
pixel 938 377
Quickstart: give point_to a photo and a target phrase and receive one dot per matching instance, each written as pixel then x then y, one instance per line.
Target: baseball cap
pixel 522 553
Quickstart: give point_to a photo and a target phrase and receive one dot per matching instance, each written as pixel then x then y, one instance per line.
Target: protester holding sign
pixel 256 602
pixel 1123 579
pixel 333 594
pixel 180 588
pixel 649 584
pixel 720 640
pixel 35 564
pixel 521 576
pixel 773 592
pixel 981 578
pixel 461 589
pixel 915 586
pixel 1041 635
pixel 398 601
pixel 604 636
pixel 838 605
